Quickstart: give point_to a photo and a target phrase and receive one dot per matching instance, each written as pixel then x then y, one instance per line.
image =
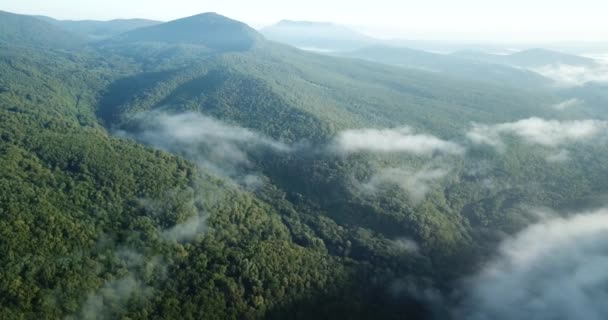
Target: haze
pixel 468 20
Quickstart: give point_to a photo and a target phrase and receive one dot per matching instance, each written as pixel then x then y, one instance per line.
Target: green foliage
pixel 98 30
pixel 84 217
pixel 21 30
pixel 220 33
pixel 88 221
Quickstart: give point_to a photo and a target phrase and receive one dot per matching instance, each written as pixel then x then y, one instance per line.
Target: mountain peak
pixel 208 29
pixel 206 16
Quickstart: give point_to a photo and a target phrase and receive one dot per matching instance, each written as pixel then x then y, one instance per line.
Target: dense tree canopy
pixel 94 224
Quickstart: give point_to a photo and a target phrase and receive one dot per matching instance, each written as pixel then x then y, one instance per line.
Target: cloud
pixel 112 296
pixel 216 146
pixel 560 156
pixel 197 127
pixel 186 202
pixel 404 245
pixel 567 104
pixel 187 230
pixel 415 183
pixel 537 131
pixel 555 269
pixel 569 75
pixel 393 140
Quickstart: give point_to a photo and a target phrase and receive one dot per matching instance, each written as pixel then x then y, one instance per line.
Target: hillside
pixel 317 87
pixel 192 170
pixel 22 30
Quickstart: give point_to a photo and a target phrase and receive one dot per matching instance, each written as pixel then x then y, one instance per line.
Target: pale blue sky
pixel 512 20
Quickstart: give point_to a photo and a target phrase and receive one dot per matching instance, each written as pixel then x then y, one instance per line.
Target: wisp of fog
pixel 556 269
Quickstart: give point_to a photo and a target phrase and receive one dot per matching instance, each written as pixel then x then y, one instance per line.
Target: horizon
pixel 472 21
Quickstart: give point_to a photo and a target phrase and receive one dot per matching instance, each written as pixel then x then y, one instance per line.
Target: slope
pixel 96 226
pixel 314 97
pixel 337 93
pixel 93 224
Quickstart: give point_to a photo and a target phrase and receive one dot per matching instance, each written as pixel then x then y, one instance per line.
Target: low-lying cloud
pixel 404 245
pixel 537 131
pixel 112 296
pixel 558 156
pixel 416 184
pixel 214 145
pixel 569 75
pixel 187 230
pixel 393 141
pixel 188 202
pixel 197 127
pixel 556 269
pixel 567 104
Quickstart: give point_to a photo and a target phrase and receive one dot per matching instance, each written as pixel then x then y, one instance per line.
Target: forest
pixel 167 174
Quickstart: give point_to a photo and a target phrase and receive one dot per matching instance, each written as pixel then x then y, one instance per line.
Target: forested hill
pixel 193 169
pixel 208 29
pixel 95 30
pixel 21 30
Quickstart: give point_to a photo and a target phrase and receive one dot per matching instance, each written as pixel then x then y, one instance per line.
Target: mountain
pixel 317 36
pixel 99 30
pixel 22 30
pixel 208 29
pixel 150 177
pixel 531 58
pixel 450 65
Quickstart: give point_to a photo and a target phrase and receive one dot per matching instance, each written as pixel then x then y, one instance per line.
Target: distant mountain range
pixel 528 58
pixel 329 37
pixel 210 30
pixel 471 63
pixel 317 36
pixel 98 30
pixel 22 30
pixel 449 65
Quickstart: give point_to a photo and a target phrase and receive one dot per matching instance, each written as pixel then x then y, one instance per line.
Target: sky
pixel 469 20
